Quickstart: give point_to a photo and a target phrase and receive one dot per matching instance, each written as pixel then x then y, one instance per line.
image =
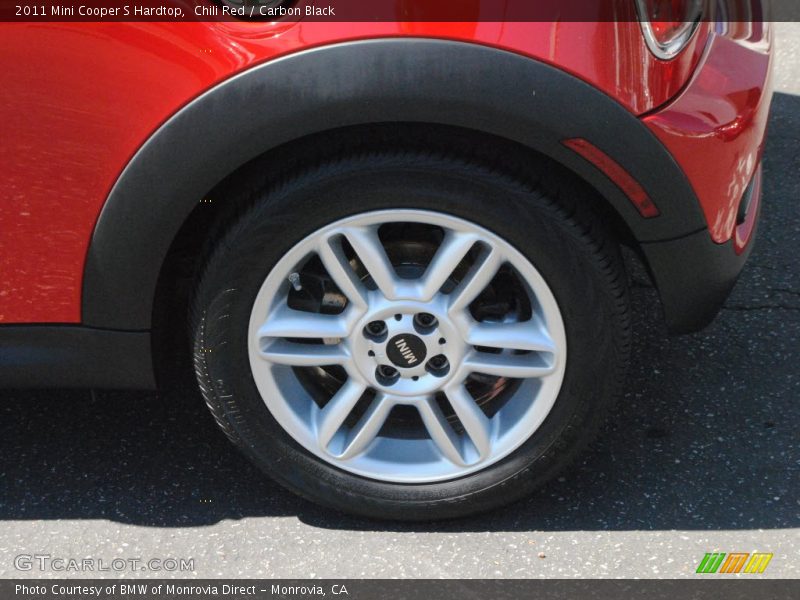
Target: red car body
pixel 80 101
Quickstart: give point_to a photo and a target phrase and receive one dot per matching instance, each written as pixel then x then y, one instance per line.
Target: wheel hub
pixel 407 349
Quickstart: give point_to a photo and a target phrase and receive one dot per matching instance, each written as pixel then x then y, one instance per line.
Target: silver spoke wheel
pixel 407 346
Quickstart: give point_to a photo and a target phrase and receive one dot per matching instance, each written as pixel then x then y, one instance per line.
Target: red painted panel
pixel 78 100
pixel 716 128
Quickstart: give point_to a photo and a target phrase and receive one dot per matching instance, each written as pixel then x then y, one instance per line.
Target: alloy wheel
pixel 407 346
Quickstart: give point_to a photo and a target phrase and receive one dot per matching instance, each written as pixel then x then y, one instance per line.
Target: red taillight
pixel 668 25
pixel 666 31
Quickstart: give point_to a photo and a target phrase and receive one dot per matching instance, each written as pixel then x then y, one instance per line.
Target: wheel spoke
pixel 281 352
pixel 370 251
pixel 452 251
pixel 336 411
pixel 528 335
pixel 368 426
pixel 338 267
pixel 475 281
pixel 515 366
pixel 285 322
pixel 476 424
pixel 442 434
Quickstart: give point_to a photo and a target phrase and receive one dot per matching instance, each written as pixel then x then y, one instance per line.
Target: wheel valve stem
pixel 294 279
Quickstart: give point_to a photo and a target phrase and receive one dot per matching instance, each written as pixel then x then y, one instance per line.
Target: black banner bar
pixel 703 588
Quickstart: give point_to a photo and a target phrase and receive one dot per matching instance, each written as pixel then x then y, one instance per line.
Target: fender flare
pixel 410 80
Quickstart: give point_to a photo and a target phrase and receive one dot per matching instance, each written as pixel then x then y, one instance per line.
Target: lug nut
pixel 387 371
pixel 439 361
pixel 386 374
pixel 375 329
pixel 438 365
pixel 424 320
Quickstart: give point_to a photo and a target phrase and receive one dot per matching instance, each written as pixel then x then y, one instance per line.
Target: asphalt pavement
pixel 701 455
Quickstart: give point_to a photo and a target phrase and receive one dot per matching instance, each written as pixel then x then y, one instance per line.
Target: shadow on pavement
pixel 706 438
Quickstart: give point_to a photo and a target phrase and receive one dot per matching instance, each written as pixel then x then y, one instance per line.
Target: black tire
pixel 563 238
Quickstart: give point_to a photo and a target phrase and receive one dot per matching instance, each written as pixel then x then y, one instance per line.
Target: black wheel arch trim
pixel 411 79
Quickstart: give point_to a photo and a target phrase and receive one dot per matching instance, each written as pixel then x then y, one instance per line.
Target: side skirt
pixel 66 356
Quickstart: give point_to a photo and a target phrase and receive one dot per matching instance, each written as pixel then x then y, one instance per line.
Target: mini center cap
pixel 406 351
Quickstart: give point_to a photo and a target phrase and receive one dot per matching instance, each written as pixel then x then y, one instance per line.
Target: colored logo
pixel 734 562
